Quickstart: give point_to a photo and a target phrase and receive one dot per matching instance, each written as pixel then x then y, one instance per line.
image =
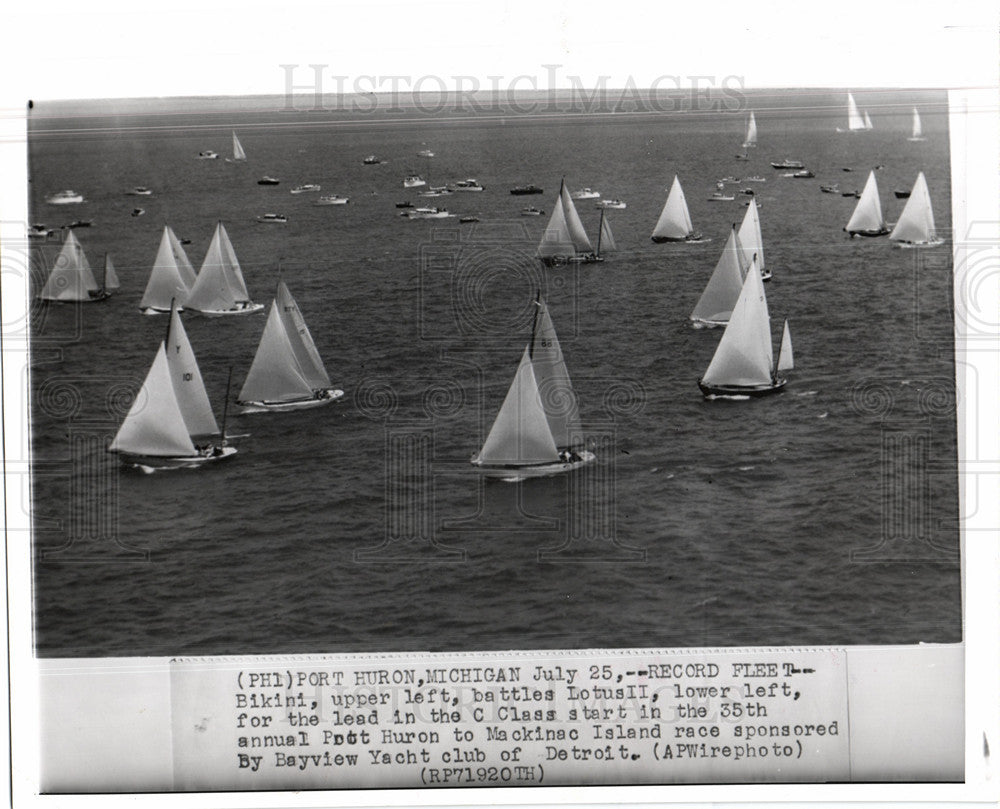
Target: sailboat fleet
pixel 537 429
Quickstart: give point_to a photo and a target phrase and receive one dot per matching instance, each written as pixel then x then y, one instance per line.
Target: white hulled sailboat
pixel 915 227
pixel 287 372
pixel 537 430
pixel 716 303
pixel 674 224
pixel 220 288
pixel 171 413
pixel 855 122
pixel 172 276
pixel 753 240
pixel 867 217
pixel 918 129
pixel 239 155
pixel 750 140
pixel 565 239
pixel 743 364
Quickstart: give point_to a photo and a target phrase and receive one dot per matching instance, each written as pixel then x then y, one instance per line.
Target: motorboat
pixel 270 218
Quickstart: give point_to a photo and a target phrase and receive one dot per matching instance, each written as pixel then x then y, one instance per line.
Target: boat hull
pixel 155 310
pixel 321 398
pixel 153 463
pixel 740 391
pixel 249 309
pixel 869 233
pixel 694 238
pixel 513 474
pixel 562 261
pixel 918 245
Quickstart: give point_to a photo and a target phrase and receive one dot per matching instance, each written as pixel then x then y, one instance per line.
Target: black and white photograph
pixel 653 401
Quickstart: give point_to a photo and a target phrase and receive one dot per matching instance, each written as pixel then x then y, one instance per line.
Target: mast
pixel 600 232
pixel 225 406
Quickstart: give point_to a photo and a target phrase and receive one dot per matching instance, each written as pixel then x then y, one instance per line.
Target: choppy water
pixel 827 514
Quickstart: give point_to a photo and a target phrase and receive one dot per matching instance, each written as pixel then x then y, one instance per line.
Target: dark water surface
pixel 825 515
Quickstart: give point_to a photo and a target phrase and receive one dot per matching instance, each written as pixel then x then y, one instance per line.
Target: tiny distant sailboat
pixel 537 430
pixel 867 217
pixel 716 303
pixel 743 364
pixel 674 224
pixel 565 239
pixel 868 121
pixel 65 198
pixel 71 279
pixel 855 122
pixel 220 288
pixel 171 413
pixel 287 372
pixel 915 227
pixel 750 141
pixel 752 239
pixel 605 238
pixel 239 155
pixel 172 276
pixel 918 130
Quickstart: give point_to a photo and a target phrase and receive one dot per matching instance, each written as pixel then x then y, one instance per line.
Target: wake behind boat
pixel 287 372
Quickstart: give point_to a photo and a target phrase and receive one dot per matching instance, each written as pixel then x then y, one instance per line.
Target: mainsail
pixel 716 303
pixel 916 222
pixel 744 356
pixel 674 223
pixel 918 130
pixel 238 153
pixel 188 385
pixel 520 434
pixel 751 238
pixel 220 286
pixel 751 138
pixel 605 238
pixel 786 361
pixel 300 339
pixel 180 257
pixel 868 121
pixel 71 278
pixel 275 375
pixel 867 217
pixel 110 279
pixel 552 377
pixel 167 280
pixel 854 119
pixel 154 425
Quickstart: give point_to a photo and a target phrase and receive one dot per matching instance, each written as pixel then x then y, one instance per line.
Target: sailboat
pixel 220 288
pixel 752 239
pixel 172 276
pixel 855 122
pixel 287 372
pixel 743 364
pixel 537 430
pixel 71 279
pixel 715 305
pixel 867 217
pixel 918 130
pixel 171 412
pixel 915 227
pixel 868 121
pixel 674 224
pixel 605 238
pixel 750 140
pixel 239 155
pixel 564 239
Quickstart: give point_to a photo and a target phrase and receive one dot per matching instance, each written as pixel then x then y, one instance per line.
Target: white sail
pixel 751 138
pixel 854 119
pixel 180 257
pixel 751 237
pixel 520 434
pixel 154 425
pixel 918 130
pixel 188 384
pixel 166 281
pixel 275 375
pixel 674 221
pixel 110 279
pixel 556 240
pixel 868 121
pixel 744 356
pixel 581 242
pixel 723 289
pixel 238 153
pixel 916 222
pixel 552 378
pixel 867 216
pixel 300 340
pixel 605 238
pixel 220 286
pixel 71 278
pixel 786 360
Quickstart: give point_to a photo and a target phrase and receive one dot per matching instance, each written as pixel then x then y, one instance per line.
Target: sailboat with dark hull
pixel 170 424
pixel 867 218
pixel 565 240
pixel 72 280
pixel 537 431
pixel 287 372
pixel 674 224
pixel 743 364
